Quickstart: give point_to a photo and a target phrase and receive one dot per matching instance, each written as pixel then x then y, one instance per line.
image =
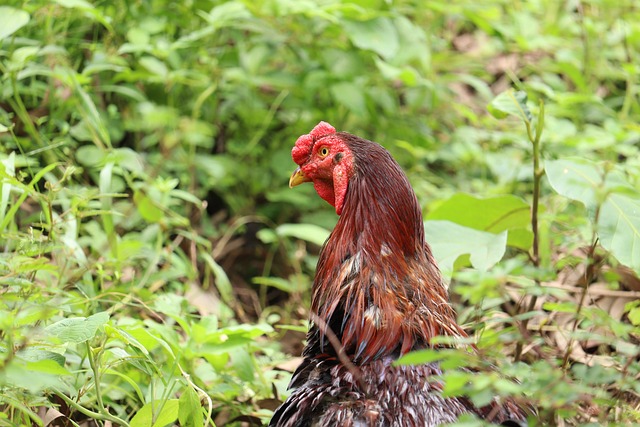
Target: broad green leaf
pixel 158 413
pixel 75 4
pixel 154 66
pixel 378 35
pixel 510 103
pixel 308 232
pixel 147 208
pixel 455 382
pixel 30 375
pixel 247 330
pixel 229 13
pixel 170 304
pixel 144 340
pixel 351 96
pixel 47 366
pixel 267 236
pixel 561 307
pixel 127 159
pixel 126 338
pixel 634 316
pixel 492 214
pixel 449 241
pixel 408 75
pixel 190 410
pixel 520 238
pixel 419 357
pixel 243 364
pixel 77 329
pixel 138 36
pixel 35 354
pixel 577 179
pixel 231 335
pixel 230 338
pixel 619 228
pixel 90 155
pixel 22 55
pixel 11 20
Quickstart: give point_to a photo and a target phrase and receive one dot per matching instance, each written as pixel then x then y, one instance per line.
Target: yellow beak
pixel 297 178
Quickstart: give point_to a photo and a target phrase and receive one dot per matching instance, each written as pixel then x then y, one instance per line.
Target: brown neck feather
pixel 377 285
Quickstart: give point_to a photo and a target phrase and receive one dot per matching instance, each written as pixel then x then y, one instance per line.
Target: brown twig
pixel 340 351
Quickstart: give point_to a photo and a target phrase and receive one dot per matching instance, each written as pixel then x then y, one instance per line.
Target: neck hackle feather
pixel 377 285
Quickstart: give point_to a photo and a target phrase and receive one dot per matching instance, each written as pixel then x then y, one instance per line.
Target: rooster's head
pixel 324 158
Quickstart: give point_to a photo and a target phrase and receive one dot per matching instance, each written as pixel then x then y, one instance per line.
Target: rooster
pixel 377 295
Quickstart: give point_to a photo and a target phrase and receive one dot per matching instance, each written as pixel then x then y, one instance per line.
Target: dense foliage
pixel 155 266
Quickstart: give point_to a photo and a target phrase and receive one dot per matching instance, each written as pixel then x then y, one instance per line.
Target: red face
pixel 324 159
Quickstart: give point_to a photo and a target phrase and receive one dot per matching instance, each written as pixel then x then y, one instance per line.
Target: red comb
pixel 302 149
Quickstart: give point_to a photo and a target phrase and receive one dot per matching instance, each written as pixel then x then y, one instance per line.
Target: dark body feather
pixel 379 294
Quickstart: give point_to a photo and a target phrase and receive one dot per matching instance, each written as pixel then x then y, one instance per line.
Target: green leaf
pixel 8 170
pixel 222 280
pixel 492 214
pixel 510 103
pixel 618 224
pixel 247 330
pixel 35 354
pixel 126 338
pixel 449 241
pixel 243 364
pixel 32 376
pixel 378 35
pixel 190 410
pixel 90 155
pixel 158 413
pixel 75 4
pixel 576 179
pixel 351 96
pixel 230 338
pixel 147 208
pixel 619 228
pixel 520 238
pixel 77 329
pixel 561 307
pixel 230 13
pixel 279 283
pixel 127 159
pixel 47 366
pixel 408 75
pixel 11 20
pixel 634 316
pixel 154 66
pixel 420 357
pixel 308 232
pixel 455 382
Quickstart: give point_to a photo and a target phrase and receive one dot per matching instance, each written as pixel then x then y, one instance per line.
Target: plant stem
pixel 538 173
pixel 106 416
pixel 96 375
pixel 588 276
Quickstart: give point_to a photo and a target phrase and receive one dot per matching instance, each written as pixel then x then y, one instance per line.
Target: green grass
pixel 155 267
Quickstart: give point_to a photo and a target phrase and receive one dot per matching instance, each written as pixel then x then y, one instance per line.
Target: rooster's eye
pixel 324 152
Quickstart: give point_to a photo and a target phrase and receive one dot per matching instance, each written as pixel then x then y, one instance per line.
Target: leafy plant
pixel 155 267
